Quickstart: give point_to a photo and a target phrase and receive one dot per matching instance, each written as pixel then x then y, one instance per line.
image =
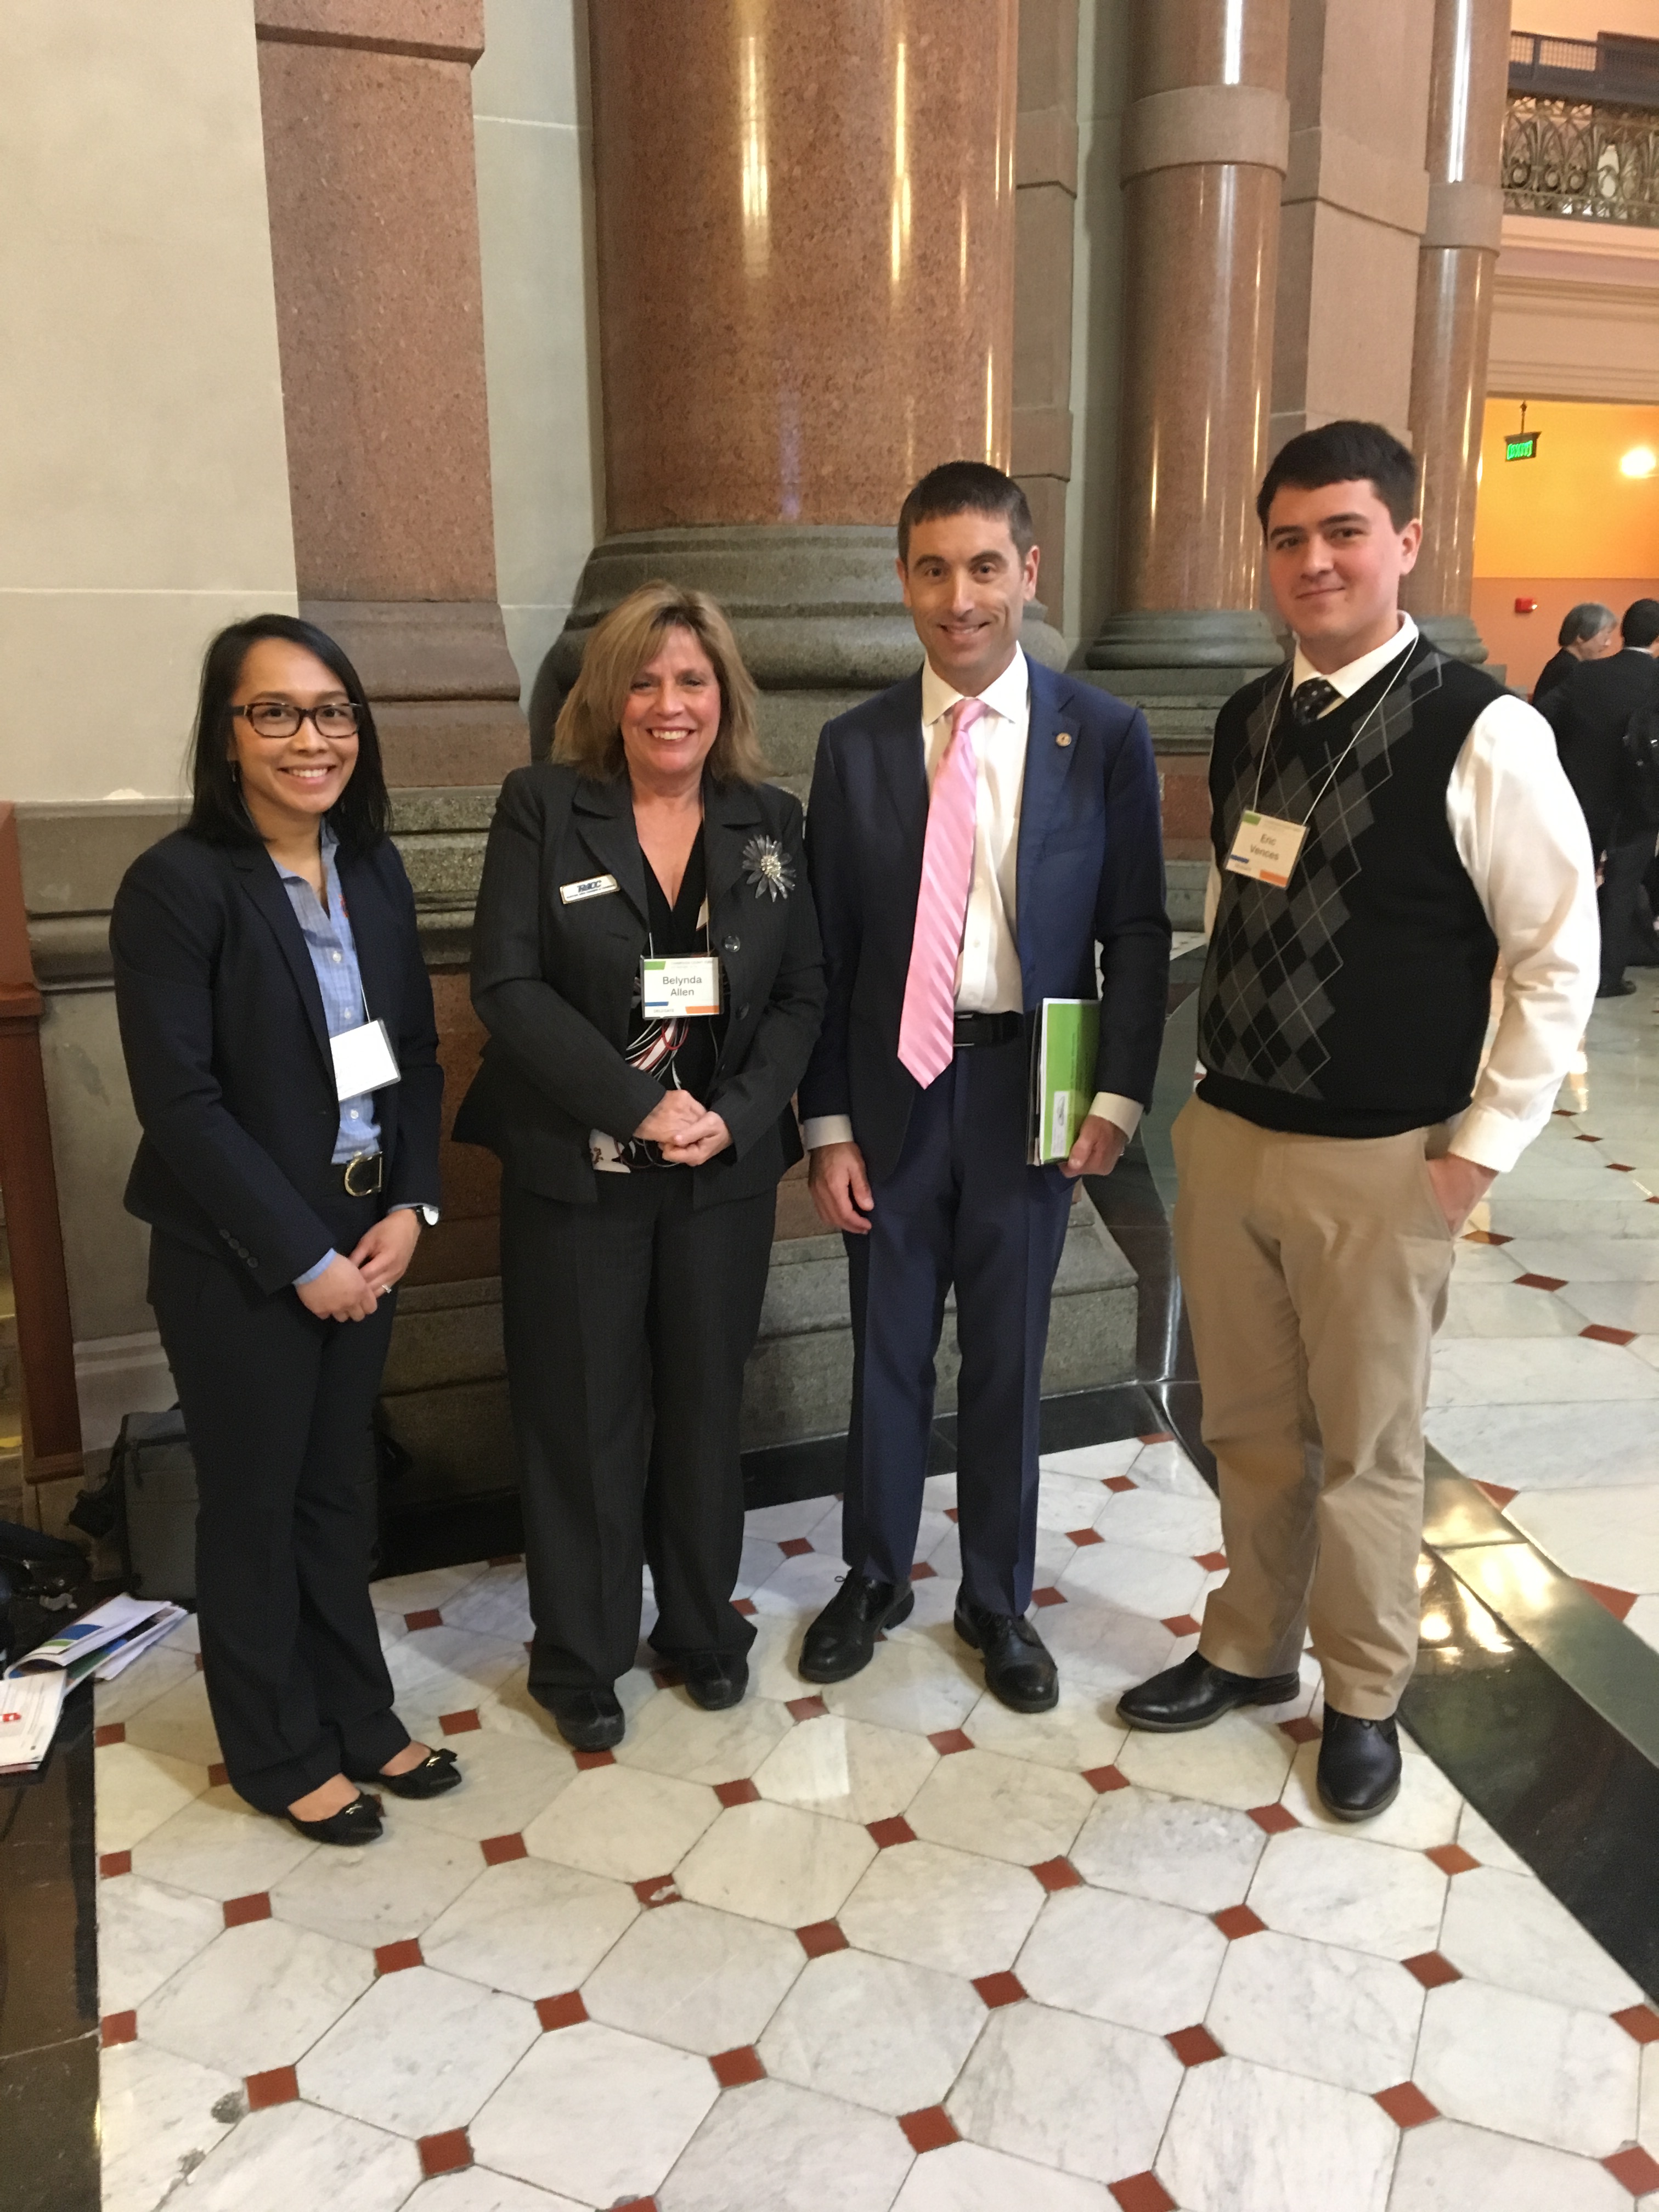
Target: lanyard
pixel 1256 803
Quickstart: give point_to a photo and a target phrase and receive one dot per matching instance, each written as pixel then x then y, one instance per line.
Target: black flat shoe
pixel 1195 1693
pixel 1620 990
pixel 588 1720
pixel 358 1822
pixel 716 1679
pixel 1019 1670
pixel 1360 1766
pixel 436 1772
pixel 842 1639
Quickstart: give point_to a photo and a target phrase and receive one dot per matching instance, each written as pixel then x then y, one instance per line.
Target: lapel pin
pixel 1062 737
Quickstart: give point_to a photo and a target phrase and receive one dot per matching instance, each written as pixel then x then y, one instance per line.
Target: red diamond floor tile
pixel 111 1732
pixel 1496 1492
pixel 1617 1601
pixel 820 1937
pixel 946 1740
pixel 950 1512
pixel 1581 1140
pixel 1057 1874
pixel 1119 1483
pixel 239 1911
pixel 1183 1624
pixel 1211 1562
pixel 1194 2045
pixel 734 2068
pixel 736 1793
pixel 498 1850
pixel 114 1862
pixel 506 1559
pixel 1486 1236
pixel 281 2086
pixel 218 1774
pixel 198 1662
pixel 931 2129
pixel 897 1830
pixel 565 2011
pixel 1541 1282
pixel 460 1723
pixel 1600 1333
pixel 793 1547
pixel 657 1889
pixel 921 1572
pixel 1633 2169
pixel 586 1760
pixel 667 1677
pixel 1640 2022
pixel 430 1617
pixel 1406 2105
pixel 1103 1778
pixel 1432 1970
pixel 1142 2192
pixel 397 1958
pixel 805 1709
pixel 1621 1167
pixel 117 2027
pixel 1452 1858
pixel 1158 1436
pixel 746 1606
pixel 1274 1820
pixel 1048 1595
pixel 1237 1920
pixel 996 1989
pixel 1080 1536
pixel 1303 1729
pixel 448 2152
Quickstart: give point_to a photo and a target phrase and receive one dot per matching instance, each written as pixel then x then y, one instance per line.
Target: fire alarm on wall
pixel 1526 606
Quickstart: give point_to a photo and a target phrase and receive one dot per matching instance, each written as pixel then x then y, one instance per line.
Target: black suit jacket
pixel 227 1054
pixel 1090 873
pixel 1588 713
pixel 555 983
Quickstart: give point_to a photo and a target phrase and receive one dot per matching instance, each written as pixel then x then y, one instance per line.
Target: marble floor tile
pixel 1527 2068
pixel 1081 2094
pixel 1339 2016
pixel 803 1584
pixel 387 1892
pixel 1426 1813
pixel 1080 1733
pixel 623 1821
pixel 530 1927
pixel 594 2114
pixel 506 1781
pixel 1506 1928
pixel 1167 1467
pixel 1487 1309
pixel 873 2031
pixel 1094 1462
pixel 1246 2138
pixel 1604 1535
pixel 1161 1520
pixel 1122 1958
pixel 1552 1447
pixel 178 1722
pixel 1486 1263
pixel 799 1517
pixel 965 2177
pixel 1068 1501
pixel 478 2190
pixel 293 2155
pixel 849 1769
pixel 1340 1889
pixel 1101 1648
pixel 146 1932
pixel 420 2053
pixel 138 1790
pixel 258 1998
pixel 184 1636
pixel 1006 1809
pixel 1532 1219
pixel 917 1680
pixel 159 1669
pixel 1642 1620
pixel 701 1980
pixel 1178 1850
pixel 776 1862
pixel 220 1847
pixel 1242 1760
pixel 496 1604
pixel 1615 1305
pixel 672 1736
pixel 429 1591
pixel 944 1909
pixel 445 1669
pixel 1159 1585
pixel 1482 1841
pixel 160 2116
pixel 1647 2128
pixel 759 1558
pixel 1448 2167
pixel 1576 1260
pixel 1507 1371
pixel 784 2140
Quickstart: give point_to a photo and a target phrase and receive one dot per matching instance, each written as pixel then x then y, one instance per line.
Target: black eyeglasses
pixel 281 718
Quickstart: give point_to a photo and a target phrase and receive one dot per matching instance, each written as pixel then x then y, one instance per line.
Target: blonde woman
pixel 642 1115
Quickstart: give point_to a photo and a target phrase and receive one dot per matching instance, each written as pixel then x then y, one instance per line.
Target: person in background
pixel 1386 824
pixel 1589 713
pixel 641 1148
pixel 276 1019
pixel 1589 631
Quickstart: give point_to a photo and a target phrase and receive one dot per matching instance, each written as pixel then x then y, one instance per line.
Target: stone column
pixel 1455 274
pixel 1045 222
pixel 374 244
pixel 805 232
pixel 1204 154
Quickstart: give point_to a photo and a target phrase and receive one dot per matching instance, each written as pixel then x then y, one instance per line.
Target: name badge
pixel 1266 848
pixel 590 887
pixel 363 1060
pixel 690 986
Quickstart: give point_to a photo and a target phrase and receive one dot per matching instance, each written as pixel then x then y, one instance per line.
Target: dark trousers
pixel 962 1206
pixel 1621 879
pixel 277 1404
pixel 628 1323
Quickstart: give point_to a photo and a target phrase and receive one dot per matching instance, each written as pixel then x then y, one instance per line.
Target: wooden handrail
pixel 28 1182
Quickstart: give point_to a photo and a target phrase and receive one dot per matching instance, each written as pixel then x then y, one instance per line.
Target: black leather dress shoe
pixel 359 1822
pixel 842 1638
pixel 436 1773
pixel 716 1679
pixel 588 1720
pixel 1019 1668
pixel 1360 1766
pixel 1195 1693
pixel 1621 989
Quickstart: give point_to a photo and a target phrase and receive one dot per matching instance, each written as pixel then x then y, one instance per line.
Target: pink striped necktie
pixel 928 1024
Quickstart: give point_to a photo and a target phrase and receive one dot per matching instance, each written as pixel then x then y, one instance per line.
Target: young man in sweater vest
pixel 1387 824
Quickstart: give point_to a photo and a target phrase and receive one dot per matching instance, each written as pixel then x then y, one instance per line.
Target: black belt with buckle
pixel 974 1031
pixel 363 1175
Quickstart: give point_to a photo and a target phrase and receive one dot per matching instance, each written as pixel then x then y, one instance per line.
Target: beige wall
pixel 144 486
pixel 535 219
pixel 1576 311
pixel 1096 320
pixel 1582 19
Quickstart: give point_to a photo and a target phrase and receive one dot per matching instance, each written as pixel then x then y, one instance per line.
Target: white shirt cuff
pixel 1489 1139
pixel 826 1129
pixel 1125 1112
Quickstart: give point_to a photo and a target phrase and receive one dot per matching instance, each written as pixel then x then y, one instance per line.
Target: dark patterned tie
pixel 1309 701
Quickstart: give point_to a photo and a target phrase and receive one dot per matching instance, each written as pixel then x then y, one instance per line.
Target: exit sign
pixel 1523 447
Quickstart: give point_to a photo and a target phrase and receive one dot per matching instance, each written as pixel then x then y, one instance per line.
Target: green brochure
pixel 1063 1052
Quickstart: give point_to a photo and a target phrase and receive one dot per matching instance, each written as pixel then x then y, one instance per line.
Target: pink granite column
pixel 374 243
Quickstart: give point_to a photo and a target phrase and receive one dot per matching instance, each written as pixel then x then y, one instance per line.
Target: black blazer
pixel 554 983
pixel 227 1049
pixel 1588 713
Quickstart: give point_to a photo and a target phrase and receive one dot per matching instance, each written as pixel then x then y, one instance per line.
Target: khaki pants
pixel 1314 1271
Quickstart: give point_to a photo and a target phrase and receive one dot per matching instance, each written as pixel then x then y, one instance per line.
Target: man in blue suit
pixel 974 835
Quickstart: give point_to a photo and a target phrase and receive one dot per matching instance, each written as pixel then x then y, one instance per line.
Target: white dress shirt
pixel 1521 836
pixel 988 978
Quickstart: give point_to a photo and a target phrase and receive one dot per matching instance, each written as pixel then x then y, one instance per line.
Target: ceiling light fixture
pixel 1640 461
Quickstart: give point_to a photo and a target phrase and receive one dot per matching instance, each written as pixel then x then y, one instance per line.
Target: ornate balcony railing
pixel 1594 162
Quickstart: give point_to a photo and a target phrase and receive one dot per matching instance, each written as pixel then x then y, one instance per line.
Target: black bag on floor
pixel 153 1481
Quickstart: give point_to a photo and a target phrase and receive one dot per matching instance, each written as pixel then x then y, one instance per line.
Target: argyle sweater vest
pixel 1354 1002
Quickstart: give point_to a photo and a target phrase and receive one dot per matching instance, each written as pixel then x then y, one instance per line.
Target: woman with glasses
pixel 276 1019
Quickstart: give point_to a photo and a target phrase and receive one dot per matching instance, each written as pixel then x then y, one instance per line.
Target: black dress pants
pixel 628 1323
pixel 277 1404
pixel 1621 879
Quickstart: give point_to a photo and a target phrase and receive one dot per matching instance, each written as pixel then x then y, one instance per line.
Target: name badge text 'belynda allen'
pixel 687 986
pixel 1266 848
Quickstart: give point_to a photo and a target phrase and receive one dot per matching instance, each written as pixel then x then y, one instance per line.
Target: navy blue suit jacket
pixel 1090 873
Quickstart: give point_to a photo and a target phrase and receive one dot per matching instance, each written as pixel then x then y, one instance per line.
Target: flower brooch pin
pixel 765 865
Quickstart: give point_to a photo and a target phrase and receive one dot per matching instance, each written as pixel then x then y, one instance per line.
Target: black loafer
pixel 588 1720
pixel 436 1773
pixel 1019 1670
pixel 715 1680
pixel 1360 1766
pixel 1195 1693
pixel 359 1822
pixel 842 1638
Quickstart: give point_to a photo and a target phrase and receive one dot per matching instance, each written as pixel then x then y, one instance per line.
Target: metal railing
pixel 1611 69
pixel 1589 162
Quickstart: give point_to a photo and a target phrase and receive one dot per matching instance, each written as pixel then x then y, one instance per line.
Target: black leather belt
pixel 975 1032
pixel 361 1175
